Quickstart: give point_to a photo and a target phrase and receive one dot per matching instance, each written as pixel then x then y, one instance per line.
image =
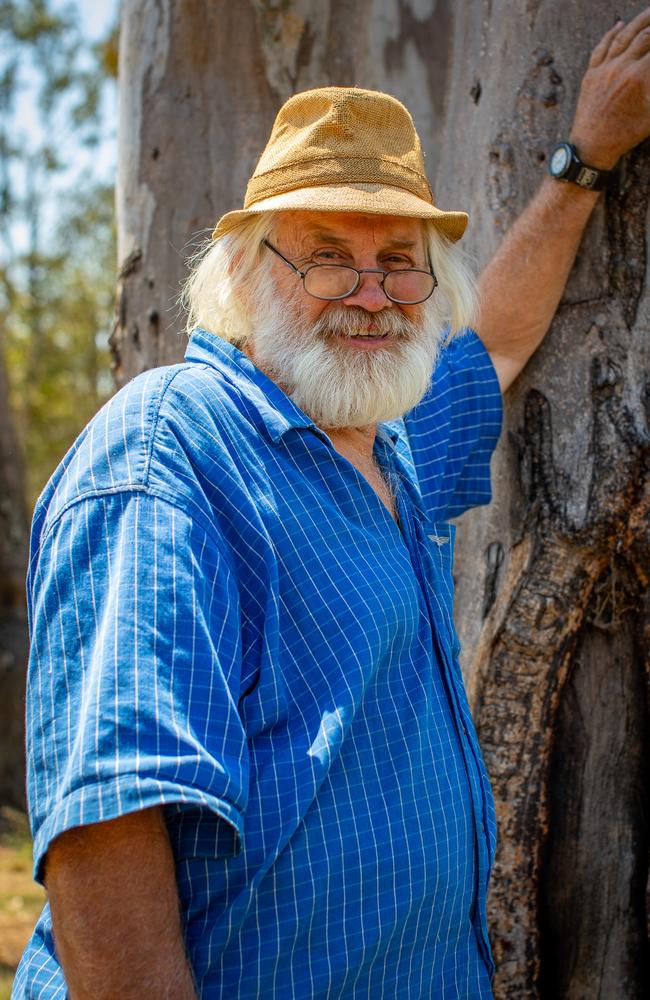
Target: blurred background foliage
pixel 57 261
pixel 57 279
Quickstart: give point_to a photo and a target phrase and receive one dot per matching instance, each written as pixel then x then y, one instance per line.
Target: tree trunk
pixel 552 577
pixel 13 610
pixel 200 85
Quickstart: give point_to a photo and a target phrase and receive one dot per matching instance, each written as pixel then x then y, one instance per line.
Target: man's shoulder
pixel 149 435
pixel 464 369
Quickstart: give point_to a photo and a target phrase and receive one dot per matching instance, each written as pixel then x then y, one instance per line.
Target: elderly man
pixel 252 767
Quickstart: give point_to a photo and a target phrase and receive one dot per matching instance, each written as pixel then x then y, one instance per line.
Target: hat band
pixel 336 170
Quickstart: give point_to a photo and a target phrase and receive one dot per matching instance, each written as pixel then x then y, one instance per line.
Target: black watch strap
pixel 565 165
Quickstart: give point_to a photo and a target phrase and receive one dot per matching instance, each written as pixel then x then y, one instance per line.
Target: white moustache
pixel 353 321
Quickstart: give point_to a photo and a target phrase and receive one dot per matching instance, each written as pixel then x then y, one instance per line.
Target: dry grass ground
pixel 21 899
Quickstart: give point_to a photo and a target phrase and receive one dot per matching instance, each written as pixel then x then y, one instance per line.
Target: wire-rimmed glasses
pixel 405 286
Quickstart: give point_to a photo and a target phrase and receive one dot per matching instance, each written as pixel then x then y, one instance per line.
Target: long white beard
pixel 335 384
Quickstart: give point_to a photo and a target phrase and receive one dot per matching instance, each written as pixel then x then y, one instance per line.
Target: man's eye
pixel 328 256
pixel 395 261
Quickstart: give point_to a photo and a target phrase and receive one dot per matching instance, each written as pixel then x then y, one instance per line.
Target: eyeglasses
pixel 406 286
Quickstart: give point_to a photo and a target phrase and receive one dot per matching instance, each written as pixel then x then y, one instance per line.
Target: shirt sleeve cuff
pixel 95 803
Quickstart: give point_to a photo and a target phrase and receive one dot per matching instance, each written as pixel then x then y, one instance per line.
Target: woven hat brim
pixel 366 199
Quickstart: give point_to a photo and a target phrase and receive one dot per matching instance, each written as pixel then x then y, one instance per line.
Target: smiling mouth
pixel 370 336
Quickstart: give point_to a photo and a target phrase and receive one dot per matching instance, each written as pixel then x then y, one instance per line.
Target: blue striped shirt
pixel 227 621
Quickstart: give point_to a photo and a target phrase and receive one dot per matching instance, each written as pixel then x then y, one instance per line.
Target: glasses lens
pixel 330 281
pixel 409 286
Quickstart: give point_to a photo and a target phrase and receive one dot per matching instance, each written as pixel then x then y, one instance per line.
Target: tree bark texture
pixel 552 576
pixel 13 610
pixel 200 85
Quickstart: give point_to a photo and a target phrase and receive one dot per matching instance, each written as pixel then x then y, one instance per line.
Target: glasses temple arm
pixel 282 257
pixel 433 273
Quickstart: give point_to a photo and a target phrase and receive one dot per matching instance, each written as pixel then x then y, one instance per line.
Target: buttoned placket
pixel 419 534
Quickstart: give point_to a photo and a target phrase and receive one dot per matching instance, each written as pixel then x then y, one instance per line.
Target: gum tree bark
pixel 552 577
pixel 200 84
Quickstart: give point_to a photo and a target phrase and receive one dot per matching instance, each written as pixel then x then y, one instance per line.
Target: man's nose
pixel 369 295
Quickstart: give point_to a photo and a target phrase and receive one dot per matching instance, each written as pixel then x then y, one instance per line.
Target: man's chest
pixel 368 466
pixel 337 590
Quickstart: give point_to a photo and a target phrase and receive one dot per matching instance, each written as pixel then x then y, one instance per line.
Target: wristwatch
pixel 565 165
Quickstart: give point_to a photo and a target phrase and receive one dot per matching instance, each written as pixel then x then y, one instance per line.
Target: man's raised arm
pixel 522 285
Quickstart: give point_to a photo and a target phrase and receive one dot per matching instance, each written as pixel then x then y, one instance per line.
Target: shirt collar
pixel 276 410
pixel 392 430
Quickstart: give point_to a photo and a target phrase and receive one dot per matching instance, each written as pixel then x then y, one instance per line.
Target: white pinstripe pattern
pixel 226 621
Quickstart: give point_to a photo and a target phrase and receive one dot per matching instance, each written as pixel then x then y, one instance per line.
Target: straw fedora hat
pixel 343 149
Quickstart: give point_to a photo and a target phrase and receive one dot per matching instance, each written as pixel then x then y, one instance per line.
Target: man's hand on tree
pixel 534 260
pixel 613 111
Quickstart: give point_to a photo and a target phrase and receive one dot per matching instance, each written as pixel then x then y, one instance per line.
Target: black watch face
pixel 559 160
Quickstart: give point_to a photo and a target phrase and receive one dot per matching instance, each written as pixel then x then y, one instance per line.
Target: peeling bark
pixel 552 577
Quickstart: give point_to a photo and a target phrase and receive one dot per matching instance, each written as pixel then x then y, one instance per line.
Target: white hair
pixel 456 291
pixel 225 279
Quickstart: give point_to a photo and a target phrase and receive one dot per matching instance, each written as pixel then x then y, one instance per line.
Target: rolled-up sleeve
pixel 454 430
pixel 134 670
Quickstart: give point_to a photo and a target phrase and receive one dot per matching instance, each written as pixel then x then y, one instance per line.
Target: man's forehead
pixel 341 226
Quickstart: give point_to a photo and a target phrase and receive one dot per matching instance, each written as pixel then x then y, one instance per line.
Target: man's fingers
pixel 640 44
pixel 626 36
pixel 600 52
